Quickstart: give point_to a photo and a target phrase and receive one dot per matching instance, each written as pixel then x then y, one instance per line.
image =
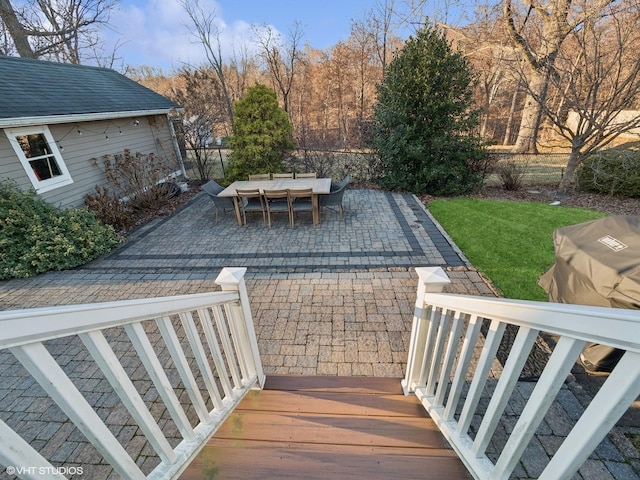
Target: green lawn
pixel 510 242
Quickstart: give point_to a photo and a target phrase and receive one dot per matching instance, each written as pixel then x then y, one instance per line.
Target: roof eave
pixel 76 118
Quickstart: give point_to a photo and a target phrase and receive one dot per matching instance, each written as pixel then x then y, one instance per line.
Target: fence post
pixel 431 280
pixel 232 279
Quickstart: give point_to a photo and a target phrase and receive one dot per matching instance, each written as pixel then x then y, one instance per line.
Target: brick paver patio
pixel 335 299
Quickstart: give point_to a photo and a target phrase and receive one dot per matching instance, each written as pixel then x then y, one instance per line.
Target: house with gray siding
pixel 55 118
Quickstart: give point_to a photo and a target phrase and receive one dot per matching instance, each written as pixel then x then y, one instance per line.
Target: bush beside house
pixel 37 237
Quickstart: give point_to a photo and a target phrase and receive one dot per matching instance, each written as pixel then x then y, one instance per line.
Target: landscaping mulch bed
pixel 167 209
pixel 602 203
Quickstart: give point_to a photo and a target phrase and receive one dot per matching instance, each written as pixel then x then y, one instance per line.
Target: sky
pixel 156 33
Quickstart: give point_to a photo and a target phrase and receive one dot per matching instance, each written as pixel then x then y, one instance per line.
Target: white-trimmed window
pixel 40 157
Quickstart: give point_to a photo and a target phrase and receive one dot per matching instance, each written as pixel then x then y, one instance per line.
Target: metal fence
pixel 362 165
pixel 531 169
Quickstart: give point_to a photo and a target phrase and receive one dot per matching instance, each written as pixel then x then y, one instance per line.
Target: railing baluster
pixel 480 376
pixel 234 315
pixel 214 348
pixel 201 358
pixel 618 392
pixel 449 357
pixel 44 369
pixel 439 344
pixel 226 347
pixel 113 371
pixel 183 368
pixel 466 354
pixel 553 376
pixel 429 359
pixel 520 349
pixel 159 378
pixel 15 452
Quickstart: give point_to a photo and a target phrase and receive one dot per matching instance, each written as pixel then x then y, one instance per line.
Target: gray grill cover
pixel 597 263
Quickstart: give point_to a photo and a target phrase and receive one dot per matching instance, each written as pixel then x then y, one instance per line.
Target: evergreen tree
pixel 425 122
pixel 261 134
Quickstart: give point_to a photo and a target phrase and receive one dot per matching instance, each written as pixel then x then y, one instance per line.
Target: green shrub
pixel 262 137
pixel 36 237
pixel 615 172
pixel 426 122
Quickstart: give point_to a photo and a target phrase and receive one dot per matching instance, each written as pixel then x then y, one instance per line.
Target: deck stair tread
pixel 321 427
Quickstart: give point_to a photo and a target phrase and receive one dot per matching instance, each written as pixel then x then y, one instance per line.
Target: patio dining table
pixel 319 186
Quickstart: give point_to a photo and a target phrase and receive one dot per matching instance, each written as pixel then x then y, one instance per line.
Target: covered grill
pixel 597 263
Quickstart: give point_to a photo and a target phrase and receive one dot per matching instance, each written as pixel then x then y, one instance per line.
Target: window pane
pixel 34 145
pixel 45 168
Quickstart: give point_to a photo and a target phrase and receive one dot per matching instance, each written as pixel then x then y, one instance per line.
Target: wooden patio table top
pixel 318 185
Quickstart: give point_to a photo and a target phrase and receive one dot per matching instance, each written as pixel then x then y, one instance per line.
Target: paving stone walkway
pixel 335 299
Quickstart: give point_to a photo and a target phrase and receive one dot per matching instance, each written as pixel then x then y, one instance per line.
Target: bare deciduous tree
pixel 481 42
pixel 538 33
pixel 380 20
pixel 281 58
pixel 62 30
pixel 598 79
pixel 363 43
pixel 242 67
pixel 208 34
pixel 201 118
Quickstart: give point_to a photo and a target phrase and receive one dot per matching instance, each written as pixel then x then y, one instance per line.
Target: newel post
pixel 431 280
pixel 232 279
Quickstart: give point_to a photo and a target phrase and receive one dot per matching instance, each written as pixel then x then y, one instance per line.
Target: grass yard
pixel 510 242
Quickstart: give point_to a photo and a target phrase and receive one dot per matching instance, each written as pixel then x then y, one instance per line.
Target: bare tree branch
pixel 61 30
pixel 208 34
pixel 281 58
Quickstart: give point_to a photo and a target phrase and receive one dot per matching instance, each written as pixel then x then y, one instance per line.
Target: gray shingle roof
pixel 34 88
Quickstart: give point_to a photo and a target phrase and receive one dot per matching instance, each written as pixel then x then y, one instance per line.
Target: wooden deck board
pixel 327 427
pixel 339 404
pixel 277 463
pixel 316 383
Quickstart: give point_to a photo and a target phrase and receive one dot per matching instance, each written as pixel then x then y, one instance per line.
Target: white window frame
pixel 40 186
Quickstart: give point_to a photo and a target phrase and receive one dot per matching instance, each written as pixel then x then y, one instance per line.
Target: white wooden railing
pixel 217 335
pixel 449 364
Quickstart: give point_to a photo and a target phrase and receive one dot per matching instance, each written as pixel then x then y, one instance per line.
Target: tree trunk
pixel 18 34
pixel 575 159
pixel 527 141
pixel 512 110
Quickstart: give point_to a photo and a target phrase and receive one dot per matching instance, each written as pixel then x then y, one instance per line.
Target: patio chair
pixel 260 176
pixel 343 183
pixel 251 201
pixel 212 189
pixel 333 200
pixel 277 201
pixel 282 175
pixel 301 201
pixel 306 175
